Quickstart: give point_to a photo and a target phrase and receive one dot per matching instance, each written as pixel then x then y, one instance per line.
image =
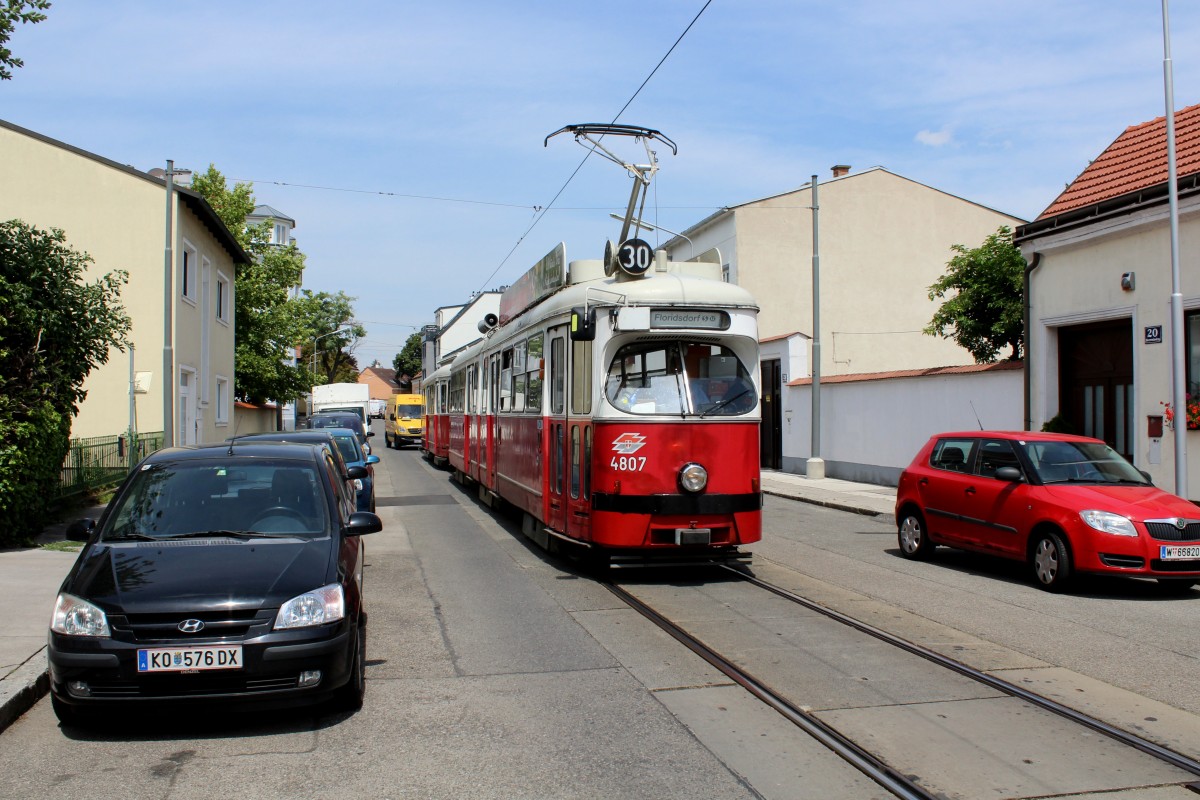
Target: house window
pixel 281 234
pixel 190 265
pixel 1191 328
pixel 222 400
pixel 725 272
pixel 222 298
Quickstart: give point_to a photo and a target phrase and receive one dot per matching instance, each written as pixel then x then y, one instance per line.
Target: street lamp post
pixel 342 329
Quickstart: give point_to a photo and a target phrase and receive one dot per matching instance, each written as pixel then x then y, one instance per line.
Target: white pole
pixel 1178 354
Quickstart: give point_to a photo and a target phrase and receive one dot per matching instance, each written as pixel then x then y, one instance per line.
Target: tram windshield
pixel 679 377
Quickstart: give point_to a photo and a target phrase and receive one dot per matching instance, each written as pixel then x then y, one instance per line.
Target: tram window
pixel 518 396
pixel 587 462
pixel 575 456
pixel 581 377
pixel 558 457
pixel 667 377
pixel 557 376
pixel 533 363
pixel 506 380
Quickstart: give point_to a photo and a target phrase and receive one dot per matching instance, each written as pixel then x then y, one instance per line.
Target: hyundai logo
pixel 191 626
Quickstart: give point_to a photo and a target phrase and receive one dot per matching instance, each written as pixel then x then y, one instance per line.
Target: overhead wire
pixel 545 209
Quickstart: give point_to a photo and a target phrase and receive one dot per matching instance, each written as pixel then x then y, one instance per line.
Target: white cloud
pixel 935 138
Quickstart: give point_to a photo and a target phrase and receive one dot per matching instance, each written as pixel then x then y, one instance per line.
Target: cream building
pixel 1100 284
pixel 883 240
pixel 116 214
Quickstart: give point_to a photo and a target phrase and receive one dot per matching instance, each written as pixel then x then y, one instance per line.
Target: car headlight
pixel 358 485
pixel 1108 522
pixel 693 477
pixel 76 617
pixel 318 607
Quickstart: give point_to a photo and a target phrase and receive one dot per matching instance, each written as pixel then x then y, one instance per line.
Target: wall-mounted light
pixel 1127 281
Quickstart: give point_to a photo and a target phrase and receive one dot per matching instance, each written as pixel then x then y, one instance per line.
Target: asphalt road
pixel 495 671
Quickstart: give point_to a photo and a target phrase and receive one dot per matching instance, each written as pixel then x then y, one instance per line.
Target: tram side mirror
pixel 583 324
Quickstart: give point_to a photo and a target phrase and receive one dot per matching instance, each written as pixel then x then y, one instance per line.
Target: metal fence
pixel 102 461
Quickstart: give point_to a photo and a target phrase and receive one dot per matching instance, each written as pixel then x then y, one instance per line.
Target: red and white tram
pixel 615 402
pixel 619 412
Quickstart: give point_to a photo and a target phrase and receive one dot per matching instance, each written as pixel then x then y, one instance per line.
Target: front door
pixel 1096 382
pixel 770 432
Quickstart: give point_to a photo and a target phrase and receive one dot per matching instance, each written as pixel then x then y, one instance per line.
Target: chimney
pixel 840 169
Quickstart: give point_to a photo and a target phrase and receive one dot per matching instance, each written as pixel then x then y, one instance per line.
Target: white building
pixel 1100 282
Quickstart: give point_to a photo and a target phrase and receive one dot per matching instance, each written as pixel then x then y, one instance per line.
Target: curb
pixel 834 504
pixel 23 687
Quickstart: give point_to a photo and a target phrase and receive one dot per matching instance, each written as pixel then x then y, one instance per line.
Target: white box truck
pixel 354 397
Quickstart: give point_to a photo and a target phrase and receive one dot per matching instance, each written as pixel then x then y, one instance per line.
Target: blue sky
pixel 388 105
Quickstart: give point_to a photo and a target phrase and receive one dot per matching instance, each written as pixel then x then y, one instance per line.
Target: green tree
pixel 334 333
pixel 55 328
pixel 13 12
pixel 984 313
pixel 408 361
pixel 268 321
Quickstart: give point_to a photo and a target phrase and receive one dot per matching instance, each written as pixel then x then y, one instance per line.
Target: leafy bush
pixel 31 456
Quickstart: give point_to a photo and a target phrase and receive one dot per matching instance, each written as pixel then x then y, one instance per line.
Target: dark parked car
pixel 343 455
pixel 222 573
pixel 342 419
pixel 352 451
pixel 1062 504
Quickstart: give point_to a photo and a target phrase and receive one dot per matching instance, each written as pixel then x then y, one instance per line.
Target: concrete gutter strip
pixel 23 687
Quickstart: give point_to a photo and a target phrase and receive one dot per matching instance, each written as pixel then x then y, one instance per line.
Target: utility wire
pixel 543 211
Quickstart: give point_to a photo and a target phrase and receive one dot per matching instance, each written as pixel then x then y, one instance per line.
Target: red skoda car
pixel 1062 504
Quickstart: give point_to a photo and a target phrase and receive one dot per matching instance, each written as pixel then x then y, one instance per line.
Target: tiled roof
pixel 997 366
pixel 1136 160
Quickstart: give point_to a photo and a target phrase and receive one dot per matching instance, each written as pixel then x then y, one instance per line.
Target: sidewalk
pixel 29 581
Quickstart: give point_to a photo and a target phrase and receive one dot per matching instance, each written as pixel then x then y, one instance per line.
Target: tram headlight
pixel 693 477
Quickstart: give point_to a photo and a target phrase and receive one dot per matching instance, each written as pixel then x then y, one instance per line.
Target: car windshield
pixel 238 497
pixel 408 412
pixel 349 447
pixel 679 377
pixel 1081 462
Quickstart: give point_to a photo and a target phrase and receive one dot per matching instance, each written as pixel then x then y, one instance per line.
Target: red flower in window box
pixel 1192 404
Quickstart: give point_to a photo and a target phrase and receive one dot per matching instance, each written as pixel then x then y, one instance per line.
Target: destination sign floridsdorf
pixel 688 318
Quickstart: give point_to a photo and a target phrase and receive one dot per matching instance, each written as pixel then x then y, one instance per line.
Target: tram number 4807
pixel 628 463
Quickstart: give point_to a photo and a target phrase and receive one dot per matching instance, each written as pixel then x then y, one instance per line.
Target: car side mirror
pixel 372 459
pixel 362 522
pixel 357 473
pixel 1146 475
pixel 1010 474
pixel 370 434
pixel 81 530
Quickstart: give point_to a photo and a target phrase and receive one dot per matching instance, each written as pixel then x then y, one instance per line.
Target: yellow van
pixel 404 420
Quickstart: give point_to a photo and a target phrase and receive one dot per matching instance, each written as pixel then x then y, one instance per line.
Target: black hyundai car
pixel 230 572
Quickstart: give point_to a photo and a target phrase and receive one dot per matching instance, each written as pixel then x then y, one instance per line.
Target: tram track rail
pixel 869 764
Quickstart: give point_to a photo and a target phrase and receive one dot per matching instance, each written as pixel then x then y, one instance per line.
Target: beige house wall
pixel 116 215
pixel 883 241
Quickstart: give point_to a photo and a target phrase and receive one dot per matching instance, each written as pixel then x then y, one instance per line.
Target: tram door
pixel 490 406
pixel 556 419
pixel 578 478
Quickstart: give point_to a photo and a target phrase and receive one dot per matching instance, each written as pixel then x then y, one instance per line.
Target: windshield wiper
pixel 130 537
pixel 242 535
pixel 724 402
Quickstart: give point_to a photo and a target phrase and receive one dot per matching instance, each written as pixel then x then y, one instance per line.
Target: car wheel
pixel 913 538
pixel 350 697
pixel 1051 562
